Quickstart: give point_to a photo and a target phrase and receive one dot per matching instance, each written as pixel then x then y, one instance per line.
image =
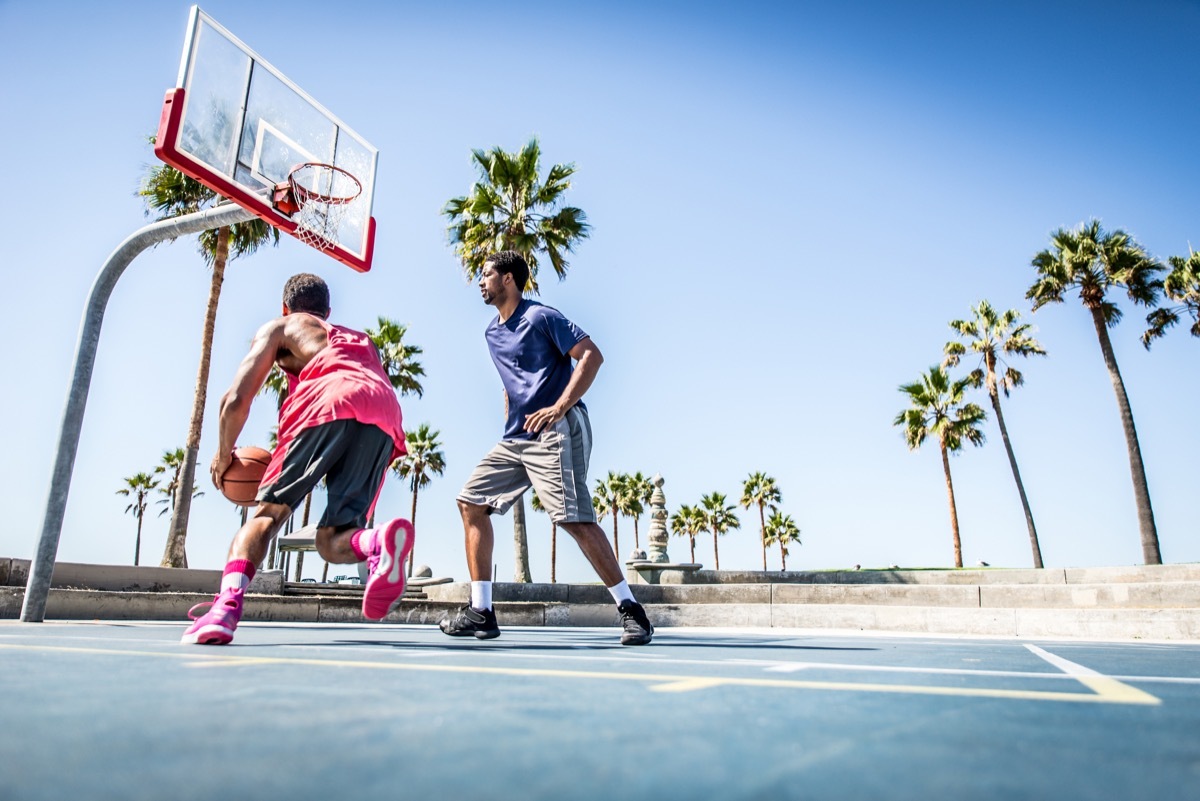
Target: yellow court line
pixel 1109 691
pixel 1101 685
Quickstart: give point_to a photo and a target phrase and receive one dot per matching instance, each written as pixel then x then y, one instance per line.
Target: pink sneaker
pixel 216 626
pixel 387 581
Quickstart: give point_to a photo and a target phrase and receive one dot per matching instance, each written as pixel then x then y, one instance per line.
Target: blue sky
pixel 789 202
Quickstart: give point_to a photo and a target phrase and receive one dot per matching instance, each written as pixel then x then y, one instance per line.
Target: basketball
pixel 241 478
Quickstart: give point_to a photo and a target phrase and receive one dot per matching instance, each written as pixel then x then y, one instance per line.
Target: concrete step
pixel 1174 595
pixel 978 576
pixel 1073 623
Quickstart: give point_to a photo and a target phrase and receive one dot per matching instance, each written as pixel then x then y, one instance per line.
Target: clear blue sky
pixel 789 201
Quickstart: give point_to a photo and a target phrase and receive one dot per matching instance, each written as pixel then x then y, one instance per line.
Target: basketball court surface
pixel 122 710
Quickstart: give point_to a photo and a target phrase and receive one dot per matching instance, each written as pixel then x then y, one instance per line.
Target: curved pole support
pixel 37 589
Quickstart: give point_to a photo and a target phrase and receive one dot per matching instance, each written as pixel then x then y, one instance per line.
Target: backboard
pixel 238 125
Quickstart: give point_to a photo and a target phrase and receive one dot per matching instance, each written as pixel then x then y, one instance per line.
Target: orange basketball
pixel 242 477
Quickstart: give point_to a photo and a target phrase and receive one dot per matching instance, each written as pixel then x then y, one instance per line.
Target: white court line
pixel 1104 686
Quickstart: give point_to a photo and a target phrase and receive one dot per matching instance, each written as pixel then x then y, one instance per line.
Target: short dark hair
pixel 305 292
pixel 513 263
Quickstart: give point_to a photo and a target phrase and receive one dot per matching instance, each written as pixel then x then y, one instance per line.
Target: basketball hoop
pixel 317 197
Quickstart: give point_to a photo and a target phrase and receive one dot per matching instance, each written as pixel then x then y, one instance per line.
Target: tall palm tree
pixel 760 490
pixel 402 369
pixel 612 489
pixel 1181 285
pixel 719 518
pixel 537 505
pixel 138 487
pixel 937 409
pixel 637 496
pixel 780 528
pixel 510 207
pixel 1095 261
pixel 688 522
pixel 399 359
pixel 993 336
pixel 172 465
pixel 169 193
pixel 423 461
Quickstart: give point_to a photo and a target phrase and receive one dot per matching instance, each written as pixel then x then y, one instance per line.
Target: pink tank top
pixel 345 381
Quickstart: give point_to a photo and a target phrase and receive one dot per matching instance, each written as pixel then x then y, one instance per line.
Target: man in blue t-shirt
pixel 546 364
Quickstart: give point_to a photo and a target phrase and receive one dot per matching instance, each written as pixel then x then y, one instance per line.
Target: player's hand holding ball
pixel 238 475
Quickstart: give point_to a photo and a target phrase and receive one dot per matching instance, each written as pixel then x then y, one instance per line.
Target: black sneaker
pixel 637 626
pixel 471 622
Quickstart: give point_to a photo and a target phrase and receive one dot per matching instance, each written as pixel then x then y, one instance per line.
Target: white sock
pixel 620 592
pixel 481 595
pixel 234 581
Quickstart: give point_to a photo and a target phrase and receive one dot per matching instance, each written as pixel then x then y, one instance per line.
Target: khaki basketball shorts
pixel 554 463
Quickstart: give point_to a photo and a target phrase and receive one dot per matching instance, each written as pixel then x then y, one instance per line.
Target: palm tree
pixel 688 522
pixel 138 487
pixel 612 490
pixel 937 409
pixel 782 529
pixel 1182 285
pixel 423 461
pixel 991 334
pixel 511 208
pixel 402 370
pixel 719 518
pixel 1094 261
pixel 760 490
pixel 169 193
pixel 637 495
pixel 399 362
pixel 536 503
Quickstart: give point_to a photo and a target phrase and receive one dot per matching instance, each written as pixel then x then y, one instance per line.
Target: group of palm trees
pixel 715 515
pixel 1095 262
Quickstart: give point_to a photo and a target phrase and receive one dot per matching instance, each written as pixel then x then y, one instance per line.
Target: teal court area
pixel 123 711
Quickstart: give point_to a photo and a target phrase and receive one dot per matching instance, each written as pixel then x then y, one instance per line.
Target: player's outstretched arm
pixel 235 403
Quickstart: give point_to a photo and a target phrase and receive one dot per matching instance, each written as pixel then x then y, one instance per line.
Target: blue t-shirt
pixel 530 351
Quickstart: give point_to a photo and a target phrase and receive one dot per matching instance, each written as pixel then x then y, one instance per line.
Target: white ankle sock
pixel 234 581
pixel 481 595
pixel 621 593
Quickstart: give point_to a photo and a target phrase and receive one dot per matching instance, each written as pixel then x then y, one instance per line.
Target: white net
pixel 325 195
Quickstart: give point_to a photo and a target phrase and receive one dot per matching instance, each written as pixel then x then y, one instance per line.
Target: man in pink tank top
pixel 340 422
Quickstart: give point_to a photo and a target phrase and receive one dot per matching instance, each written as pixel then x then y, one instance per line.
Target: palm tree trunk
pixel 521 572
pixel 692 548
pixel 762 533
pixel 299 565
pixel 1141 489
pixel 783 558
pixel 307 509
pixel 716 553
pixel 137 545
pixel 1012 462
pixel 175 554
pixel 636 541
pixel 413 520
pixel 953 508
pixel 553 550
pixel 616 541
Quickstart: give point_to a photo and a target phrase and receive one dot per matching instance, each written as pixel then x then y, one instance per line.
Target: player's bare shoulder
pixel 304 335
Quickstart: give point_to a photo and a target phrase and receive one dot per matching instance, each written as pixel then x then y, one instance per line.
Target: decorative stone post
pixel 656 540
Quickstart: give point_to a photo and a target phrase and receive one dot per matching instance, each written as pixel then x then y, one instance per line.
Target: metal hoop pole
pixel 37 589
